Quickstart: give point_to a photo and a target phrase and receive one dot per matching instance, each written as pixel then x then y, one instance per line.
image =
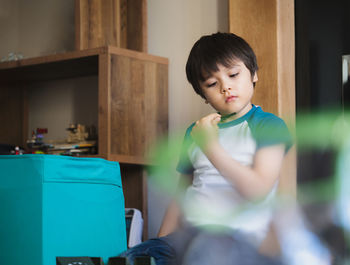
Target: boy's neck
pixel 226 117
pixel 233 116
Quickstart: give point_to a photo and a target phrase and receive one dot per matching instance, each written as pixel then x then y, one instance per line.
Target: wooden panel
pixel 56 58
pixel 138 55
pixel 286 88
pixel 123 11
pixel 139 103
pixel 162 101
pixel 255 21
pixel 121 23
pixel 137 25
pixel 156 103
pixel 135 190
pixel 104 112
pixel 286 60
pixel 85 66
pixel 66 65
pixel 58 66
pixel 97 23
pixel 268 26
pixel 11 115
pixel 126 106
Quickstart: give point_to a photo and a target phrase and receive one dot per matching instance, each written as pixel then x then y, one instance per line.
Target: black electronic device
pixel 74 261
pixel 142 260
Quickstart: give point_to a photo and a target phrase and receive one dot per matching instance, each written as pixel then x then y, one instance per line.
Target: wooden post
pixel 119 23
pixel 268 26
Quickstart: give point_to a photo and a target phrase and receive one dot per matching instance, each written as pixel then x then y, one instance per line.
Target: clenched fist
pixel 205 130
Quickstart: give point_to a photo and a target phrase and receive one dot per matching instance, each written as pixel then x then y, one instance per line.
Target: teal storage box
pixel 59 206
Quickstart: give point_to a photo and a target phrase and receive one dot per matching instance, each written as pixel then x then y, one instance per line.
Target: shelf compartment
pixel 132 97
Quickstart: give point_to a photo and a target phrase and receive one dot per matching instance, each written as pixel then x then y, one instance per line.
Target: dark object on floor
pixel 117 261
pixel 7 149
pixel 74 261
pixel 144 260
pixel 97 260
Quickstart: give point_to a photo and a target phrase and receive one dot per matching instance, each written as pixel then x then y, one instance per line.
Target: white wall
pixel 8 26
pixel 173 27
pixel 36 27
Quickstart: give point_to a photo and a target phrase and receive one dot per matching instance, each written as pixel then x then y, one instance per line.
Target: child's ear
pixel 255 77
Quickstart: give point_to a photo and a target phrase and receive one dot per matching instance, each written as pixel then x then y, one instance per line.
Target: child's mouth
pixel 230 99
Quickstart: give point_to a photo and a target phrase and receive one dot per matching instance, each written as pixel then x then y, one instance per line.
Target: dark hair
pixel 218 48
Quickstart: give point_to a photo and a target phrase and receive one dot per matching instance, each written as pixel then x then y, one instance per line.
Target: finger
pixel 213 116
pixel 216 120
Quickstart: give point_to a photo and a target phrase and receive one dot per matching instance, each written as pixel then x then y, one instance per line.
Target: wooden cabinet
pixel 132 105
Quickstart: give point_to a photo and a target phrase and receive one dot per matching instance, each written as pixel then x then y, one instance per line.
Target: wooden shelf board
pixel 137 55
pixel 135 160
pixel 75 67
pixel 66 65
pixel 51 67
pixel 52 58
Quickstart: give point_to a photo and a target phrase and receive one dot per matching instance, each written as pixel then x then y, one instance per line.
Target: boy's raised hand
pixel 205 130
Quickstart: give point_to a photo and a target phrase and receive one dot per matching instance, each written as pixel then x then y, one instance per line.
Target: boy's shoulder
pixel 260 116
pixel 189 130
pixel 269 129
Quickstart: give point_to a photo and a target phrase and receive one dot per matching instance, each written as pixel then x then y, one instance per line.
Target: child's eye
pixel 234 75
pixel 211 84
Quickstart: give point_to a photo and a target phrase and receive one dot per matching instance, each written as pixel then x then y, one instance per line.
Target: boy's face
pixel 230 89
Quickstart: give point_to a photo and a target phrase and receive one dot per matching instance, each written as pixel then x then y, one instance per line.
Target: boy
pixel 232 156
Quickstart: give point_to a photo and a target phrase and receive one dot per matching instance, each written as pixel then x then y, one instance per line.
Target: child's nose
pixel 225 89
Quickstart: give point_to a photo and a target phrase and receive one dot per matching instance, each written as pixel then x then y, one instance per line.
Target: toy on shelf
pixel 76 133
pixel 36 142
pixel 81 140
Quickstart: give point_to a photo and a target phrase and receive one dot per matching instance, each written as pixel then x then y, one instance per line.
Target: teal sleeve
pixel 272 130
pixel 184 165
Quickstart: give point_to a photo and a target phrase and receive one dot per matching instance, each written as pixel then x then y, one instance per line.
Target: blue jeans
pixel 156 248
pixel 167 250
pixel 194 246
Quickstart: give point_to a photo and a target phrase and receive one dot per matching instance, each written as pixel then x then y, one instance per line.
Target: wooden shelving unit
pixel 132 105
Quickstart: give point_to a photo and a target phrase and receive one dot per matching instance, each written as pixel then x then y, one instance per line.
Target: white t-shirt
pixel 211 199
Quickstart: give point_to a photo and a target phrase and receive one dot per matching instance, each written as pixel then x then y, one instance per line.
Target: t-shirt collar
pixel 240 119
